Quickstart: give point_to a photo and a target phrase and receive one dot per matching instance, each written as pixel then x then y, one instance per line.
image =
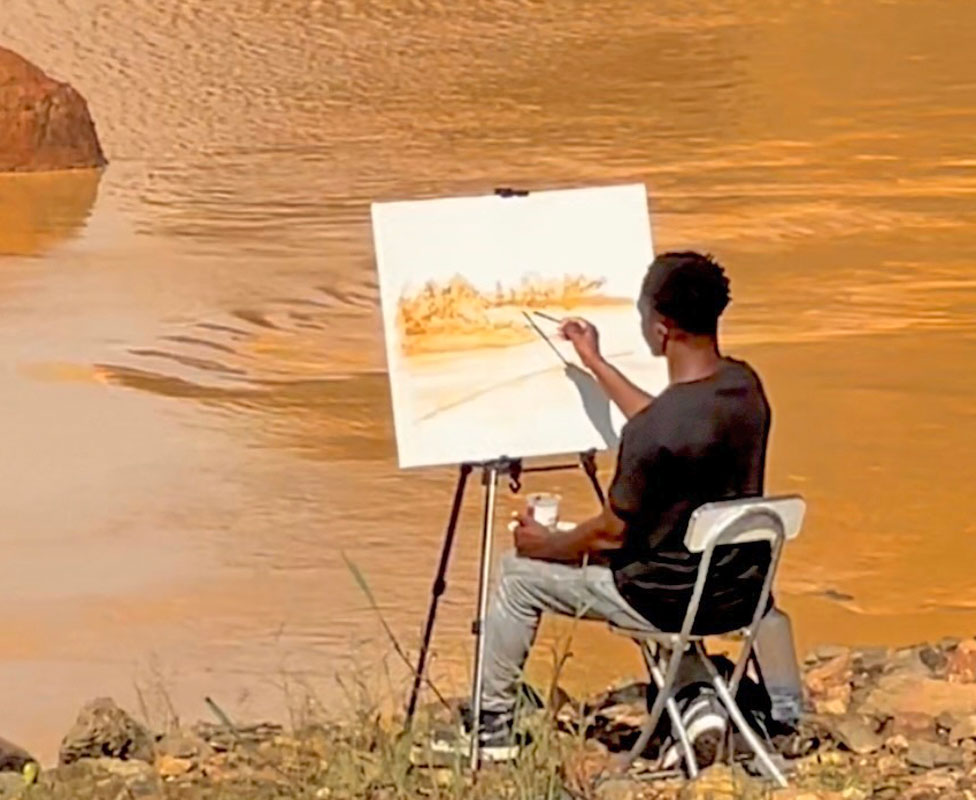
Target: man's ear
pixel 663 333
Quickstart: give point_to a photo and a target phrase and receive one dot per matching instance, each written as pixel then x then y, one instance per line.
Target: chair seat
pixel 641 634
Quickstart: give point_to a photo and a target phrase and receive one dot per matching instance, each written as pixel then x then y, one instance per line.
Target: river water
pixel 196 425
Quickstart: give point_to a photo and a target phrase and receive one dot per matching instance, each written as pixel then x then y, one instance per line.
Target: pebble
pixel 961 663
pixel 934 659
pixel 871 659
pixel 947 720
pixel 929 755
pixel 173 767
pixel 912 725
pixel 618 789
pixel 964 728
pixel 826 652
pixel 856 734
pixel 890 765
pixel 719 782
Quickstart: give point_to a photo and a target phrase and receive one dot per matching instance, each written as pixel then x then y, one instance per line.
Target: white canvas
pixel 470 379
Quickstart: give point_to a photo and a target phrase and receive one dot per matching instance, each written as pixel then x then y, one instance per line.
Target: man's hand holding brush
pixel 585 338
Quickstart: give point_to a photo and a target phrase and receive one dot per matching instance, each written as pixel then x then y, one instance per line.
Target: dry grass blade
pixel 232 729
pixel 364 586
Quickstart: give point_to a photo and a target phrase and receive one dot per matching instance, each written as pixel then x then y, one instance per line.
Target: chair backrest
pixel 733 522
pixel 752 519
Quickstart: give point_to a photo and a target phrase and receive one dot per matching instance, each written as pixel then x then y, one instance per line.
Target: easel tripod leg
pixel 438 589
pixel 490 477
pixel 588 462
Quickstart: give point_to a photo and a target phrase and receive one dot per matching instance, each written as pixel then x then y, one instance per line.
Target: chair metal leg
pixel 663 700
pixel 677 725
pixel 653 717
pixel 741 663
pixel 746 730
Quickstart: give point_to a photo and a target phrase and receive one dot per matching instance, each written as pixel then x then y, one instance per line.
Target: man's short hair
pixel 688 289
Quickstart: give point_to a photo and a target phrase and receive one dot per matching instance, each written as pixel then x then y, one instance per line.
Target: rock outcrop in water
pixel 44 124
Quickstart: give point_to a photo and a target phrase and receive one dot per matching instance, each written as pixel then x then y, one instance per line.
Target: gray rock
pixel 720 782
pixel 138 777
pixel 947 720
pixel 105 730
pixel 859 695
pixel 825 652
pixel 912 725
pixel 934 659
pixel 627 693
pixel 940 782
pixel 132 769
pixel 872 659
pixel 103 779
pixel 630 715
pixel 856 734
pixel 907 661
pixel 963 728
pixel 618 789
pixel 930 755
pixel 183 745
pixel 903 692
pixel 12 757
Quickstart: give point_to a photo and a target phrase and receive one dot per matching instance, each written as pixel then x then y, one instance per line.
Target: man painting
pixel 702 439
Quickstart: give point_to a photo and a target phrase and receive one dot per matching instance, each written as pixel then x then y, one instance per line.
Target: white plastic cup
pixel 544 508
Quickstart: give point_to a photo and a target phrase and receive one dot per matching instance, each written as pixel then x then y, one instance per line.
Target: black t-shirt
pixel 697 442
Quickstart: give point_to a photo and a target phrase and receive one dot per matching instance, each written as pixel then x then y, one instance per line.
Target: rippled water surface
pixel 196 423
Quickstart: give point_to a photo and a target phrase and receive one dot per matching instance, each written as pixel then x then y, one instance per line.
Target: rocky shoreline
pixel 883 724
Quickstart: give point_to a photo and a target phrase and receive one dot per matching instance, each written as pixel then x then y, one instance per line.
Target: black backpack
pixel 706 719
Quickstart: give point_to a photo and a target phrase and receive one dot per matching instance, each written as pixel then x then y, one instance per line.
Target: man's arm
pixel 627 396
pixel 603 532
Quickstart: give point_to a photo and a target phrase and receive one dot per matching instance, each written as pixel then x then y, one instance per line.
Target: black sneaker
pixel 528 700
pixel 497 739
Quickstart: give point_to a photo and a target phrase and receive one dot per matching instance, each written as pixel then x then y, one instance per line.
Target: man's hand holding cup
pixel 533 528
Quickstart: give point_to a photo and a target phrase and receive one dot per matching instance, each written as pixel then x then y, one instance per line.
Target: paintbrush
pixel 545 338
pixel 548 317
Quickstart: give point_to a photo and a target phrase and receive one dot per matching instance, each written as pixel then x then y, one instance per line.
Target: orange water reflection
pixel 42 209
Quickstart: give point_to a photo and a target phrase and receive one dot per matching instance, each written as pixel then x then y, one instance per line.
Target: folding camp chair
pixel 714 525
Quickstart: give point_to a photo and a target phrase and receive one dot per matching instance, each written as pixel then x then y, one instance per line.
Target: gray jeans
pixel 527 587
